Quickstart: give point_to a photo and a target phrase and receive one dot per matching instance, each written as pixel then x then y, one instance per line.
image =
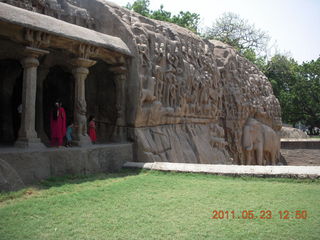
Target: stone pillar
pixel 27 134
pixel 80 72
pixel 42 74
pixel 120 131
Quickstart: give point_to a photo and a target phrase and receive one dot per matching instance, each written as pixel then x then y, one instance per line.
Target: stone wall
pixel 188 99
pixel 19 167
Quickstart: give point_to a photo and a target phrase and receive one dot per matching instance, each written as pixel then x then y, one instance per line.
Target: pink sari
pixel 58 127
pixel 92 131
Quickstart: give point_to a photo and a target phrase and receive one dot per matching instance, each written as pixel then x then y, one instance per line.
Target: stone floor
pixel 266 171
pixel 302 157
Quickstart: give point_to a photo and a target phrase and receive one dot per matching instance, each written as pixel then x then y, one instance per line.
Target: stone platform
pixel 234 170
pixel 34 165
pixel 298 143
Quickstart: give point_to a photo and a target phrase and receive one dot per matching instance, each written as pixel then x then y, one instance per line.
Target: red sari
pixel 58 127
pixel 92 131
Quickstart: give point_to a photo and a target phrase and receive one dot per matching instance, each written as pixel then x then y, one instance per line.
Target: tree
pixel 188 20
pixel 282 72
pixel 307 94
pixel 239 33
pixel 259 61
pixel 140 6
pixel 298 89
pixel 184 19
pixel 161 14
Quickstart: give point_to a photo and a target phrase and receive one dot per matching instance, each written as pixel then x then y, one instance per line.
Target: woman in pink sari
pixel 92 129
pixel 58 125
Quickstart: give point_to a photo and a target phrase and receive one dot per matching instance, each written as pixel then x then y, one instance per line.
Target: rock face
pixel 289 132
pixel 188 99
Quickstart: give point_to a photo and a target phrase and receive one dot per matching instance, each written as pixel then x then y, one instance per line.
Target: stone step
pixel 236 170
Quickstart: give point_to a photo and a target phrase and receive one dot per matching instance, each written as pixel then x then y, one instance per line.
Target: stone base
pixel 120 134
pixel 34 143
pixel 294 143
pixel 34 165
pixel 83 141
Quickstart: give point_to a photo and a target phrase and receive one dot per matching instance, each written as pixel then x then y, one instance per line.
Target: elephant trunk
pixel 247 140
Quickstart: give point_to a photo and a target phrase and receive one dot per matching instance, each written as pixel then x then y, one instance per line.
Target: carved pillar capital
pixel 80 71
pixel 86 51
pixel 29 62
pixel 31 52
pixel 37 39
pixel 82 62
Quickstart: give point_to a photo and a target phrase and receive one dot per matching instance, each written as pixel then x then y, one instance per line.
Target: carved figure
pixel 147 95
pixel 81 111
pixel 261 141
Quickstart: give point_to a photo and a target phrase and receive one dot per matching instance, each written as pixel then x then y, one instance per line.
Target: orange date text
pixel 263 214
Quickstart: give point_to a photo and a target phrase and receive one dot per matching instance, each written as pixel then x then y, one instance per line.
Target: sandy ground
pixel 302 157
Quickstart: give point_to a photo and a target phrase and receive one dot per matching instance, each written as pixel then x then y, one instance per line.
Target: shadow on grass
pixel 125 172
pixel 67 179
pixel 78 179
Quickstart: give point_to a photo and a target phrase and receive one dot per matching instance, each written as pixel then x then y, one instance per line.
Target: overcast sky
pixel 293 24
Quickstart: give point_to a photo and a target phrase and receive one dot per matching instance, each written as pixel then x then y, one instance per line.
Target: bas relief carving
pixel 200 94
pixel 261 143
pixel 185 79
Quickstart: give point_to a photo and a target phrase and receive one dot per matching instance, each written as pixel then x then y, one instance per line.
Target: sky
pixel 293 25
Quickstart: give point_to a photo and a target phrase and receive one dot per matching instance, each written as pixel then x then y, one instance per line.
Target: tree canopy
pixel 239 33
pixel 297 87
pixel 186 19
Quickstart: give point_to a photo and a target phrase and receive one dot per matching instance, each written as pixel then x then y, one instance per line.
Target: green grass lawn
pixel 315 136
pixel 159 205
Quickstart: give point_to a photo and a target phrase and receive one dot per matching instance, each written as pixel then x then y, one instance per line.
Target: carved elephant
pixel 261 142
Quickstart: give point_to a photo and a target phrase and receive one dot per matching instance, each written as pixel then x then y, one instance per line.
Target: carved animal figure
pixel 261 141
pixel 147 94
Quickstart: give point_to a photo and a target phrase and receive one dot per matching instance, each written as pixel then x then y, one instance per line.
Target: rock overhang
pixel 16 18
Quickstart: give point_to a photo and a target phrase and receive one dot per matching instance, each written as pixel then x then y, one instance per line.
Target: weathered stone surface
pixel 19 167
pixel 260 142
pixel 9 179
pixel 302 156
pixel 300 143
pixel 289 132
pixel 60 28
pixel 187 99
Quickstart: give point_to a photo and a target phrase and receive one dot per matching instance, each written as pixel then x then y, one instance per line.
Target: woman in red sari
pixel 58 125
pixel 92 129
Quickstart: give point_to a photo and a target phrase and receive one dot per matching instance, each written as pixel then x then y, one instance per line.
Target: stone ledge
pixel 300 139
pixel 35 165
pixel 236 170
pixel 287 143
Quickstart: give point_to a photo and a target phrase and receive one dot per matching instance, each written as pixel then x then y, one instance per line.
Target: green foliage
pixel 298 89
pixel 140 6
pixel 161 15
pixel 282 73
pixel 307 93
pixel 184 19
pixel 159 205
pixel 187 19
pixel 259 61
